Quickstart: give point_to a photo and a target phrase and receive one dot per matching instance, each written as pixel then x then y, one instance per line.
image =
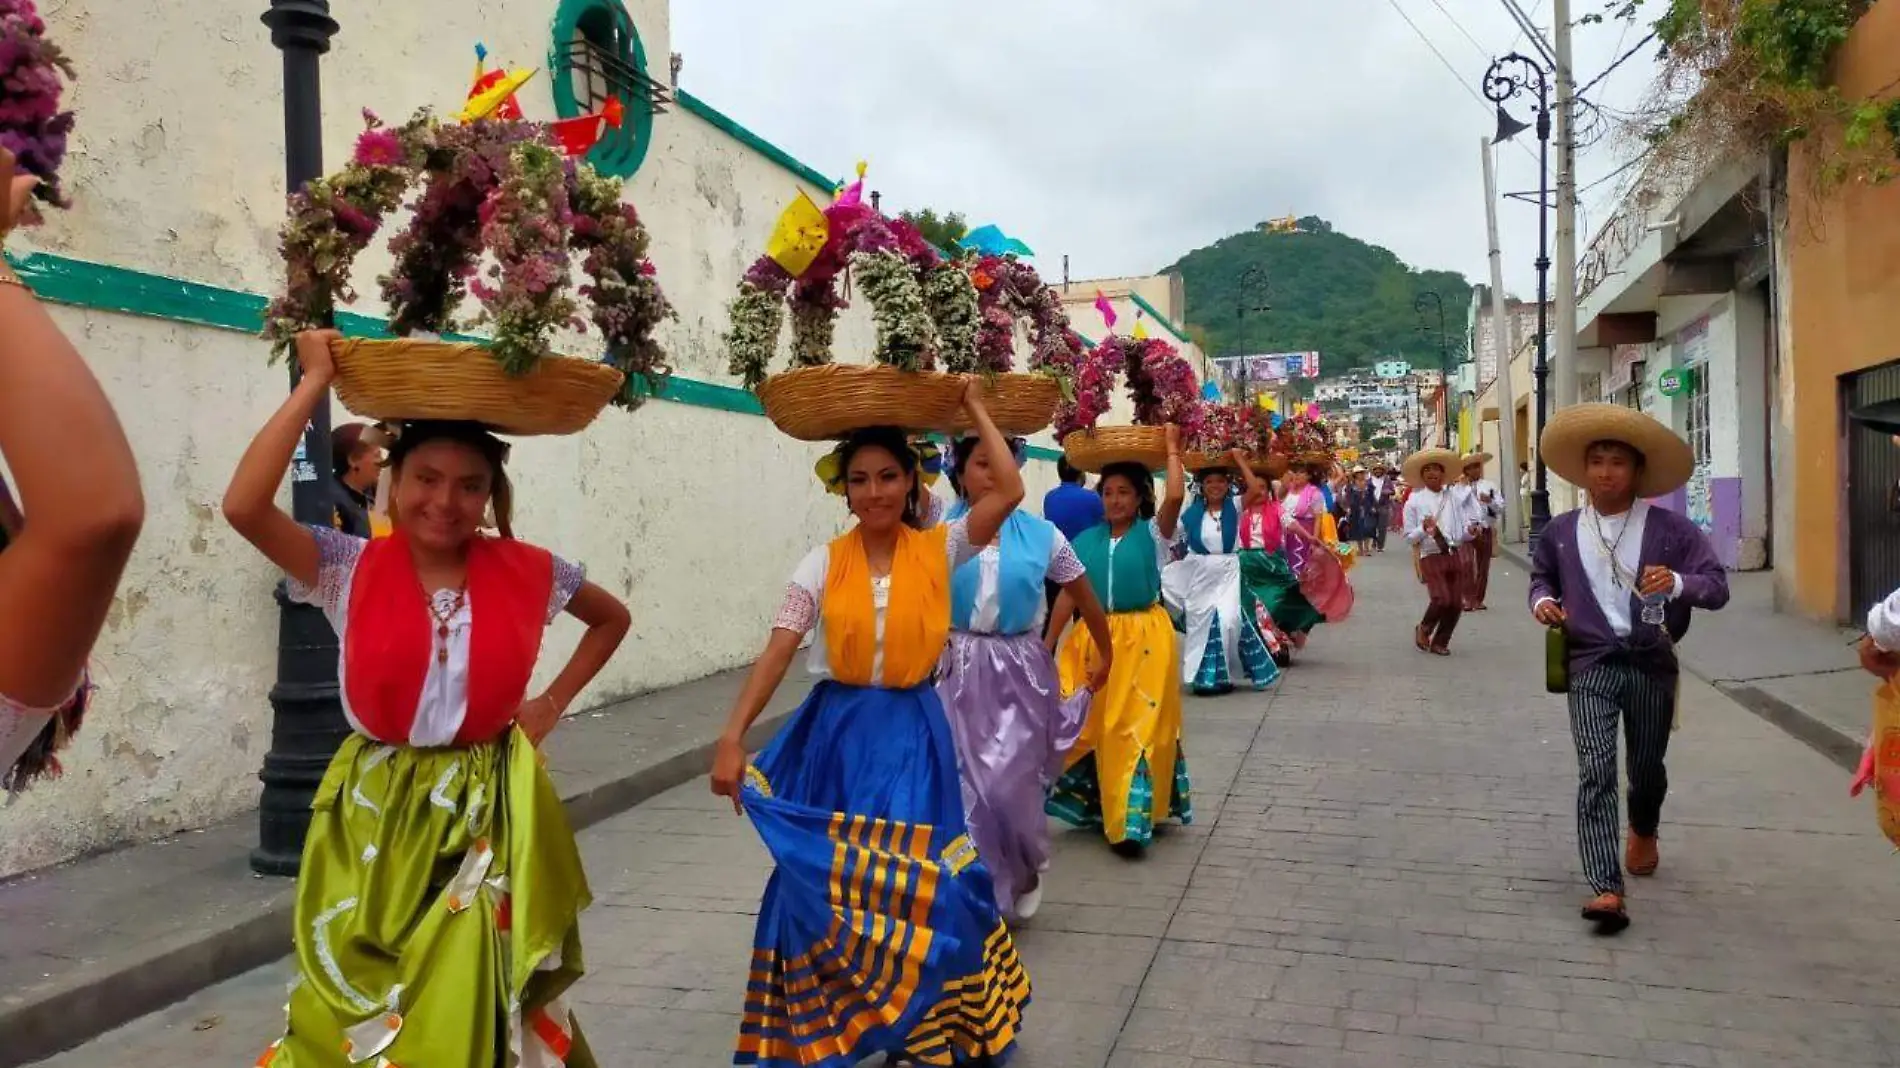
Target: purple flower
pixel 379 148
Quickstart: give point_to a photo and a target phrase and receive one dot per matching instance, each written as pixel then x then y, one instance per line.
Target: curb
pixel 108 994
pixel 1824 738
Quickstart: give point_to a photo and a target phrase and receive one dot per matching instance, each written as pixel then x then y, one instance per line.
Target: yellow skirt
pixel 1127 771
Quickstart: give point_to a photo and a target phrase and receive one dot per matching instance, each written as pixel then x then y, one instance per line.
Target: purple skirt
pixel 1012 729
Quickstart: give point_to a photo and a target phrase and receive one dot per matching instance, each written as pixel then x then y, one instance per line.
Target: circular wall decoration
pixel 596 55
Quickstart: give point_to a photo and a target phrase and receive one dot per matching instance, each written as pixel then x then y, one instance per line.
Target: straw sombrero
pixel 1416 463
pixel 1667 459
pixel 1470 458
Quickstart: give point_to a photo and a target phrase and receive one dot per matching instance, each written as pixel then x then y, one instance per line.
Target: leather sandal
pixel 1607 912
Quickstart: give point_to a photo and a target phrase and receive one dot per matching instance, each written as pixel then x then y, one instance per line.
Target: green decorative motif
pixel 620 152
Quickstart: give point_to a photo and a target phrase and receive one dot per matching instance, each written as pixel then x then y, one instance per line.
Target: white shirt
pixel 1492 511
pixel 1883 623
pixel 1064 567
pixel 800 611
pixel 1624 534
pixel 444 701
pixel 1455 514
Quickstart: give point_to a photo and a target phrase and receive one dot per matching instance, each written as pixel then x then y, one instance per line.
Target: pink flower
pixel 379 148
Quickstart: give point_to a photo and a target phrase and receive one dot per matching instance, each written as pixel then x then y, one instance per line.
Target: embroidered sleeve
pixel 956 543
pixel 337 554
pixel 1064 566
pixel 798 612
pixel 568 577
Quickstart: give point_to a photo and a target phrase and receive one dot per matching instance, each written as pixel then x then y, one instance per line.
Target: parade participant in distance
pixel 1223 643
pixel 1483 546
pixel 1439 520
pixel 1621 578
pixel 879 931
pixel 1127 772
pixel 437 905
pixel 999 686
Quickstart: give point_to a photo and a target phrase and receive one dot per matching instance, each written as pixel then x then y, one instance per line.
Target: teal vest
pixel 1127 577
pixel 1229 526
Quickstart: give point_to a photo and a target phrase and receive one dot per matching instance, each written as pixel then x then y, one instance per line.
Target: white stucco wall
pixel 178 170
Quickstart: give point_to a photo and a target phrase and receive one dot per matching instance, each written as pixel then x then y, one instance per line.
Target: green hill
pixel 1350 301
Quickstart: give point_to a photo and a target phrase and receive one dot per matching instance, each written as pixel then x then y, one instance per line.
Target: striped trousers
pixel 1645 702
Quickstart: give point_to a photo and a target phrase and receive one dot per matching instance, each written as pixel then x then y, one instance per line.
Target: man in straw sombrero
pixel 1480 549
pixel 1620 577
pixel 1439 520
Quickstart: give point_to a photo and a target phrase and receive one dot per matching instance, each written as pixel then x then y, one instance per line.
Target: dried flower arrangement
pixel 32 126
pixel 497 185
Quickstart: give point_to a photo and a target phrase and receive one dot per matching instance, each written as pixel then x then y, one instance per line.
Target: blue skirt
pixel 879 931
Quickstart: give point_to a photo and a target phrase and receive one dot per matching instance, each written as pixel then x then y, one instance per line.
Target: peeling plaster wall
pixel 178 170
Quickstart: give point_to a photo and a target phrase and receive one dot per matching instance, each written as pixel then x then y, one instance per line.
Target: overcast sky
pixel 1126 133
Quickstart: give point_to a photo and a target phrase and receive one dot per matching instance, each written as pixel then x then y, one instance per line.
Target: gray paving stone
pixel 1382 873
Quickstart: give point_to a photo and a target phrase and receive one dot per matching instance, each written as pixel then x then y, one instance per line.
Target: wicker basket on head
pixel 1019 404
pixel 1092 450
pixel 417 379
pixel 829 402
pixel 1272 465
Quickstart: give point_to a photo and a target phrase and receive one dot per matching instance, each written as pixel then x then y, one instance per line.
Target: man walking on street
pixel 1620 577
pixel 1073 508
pixel 1385 491
pixel 1480 549
pixel 1438 521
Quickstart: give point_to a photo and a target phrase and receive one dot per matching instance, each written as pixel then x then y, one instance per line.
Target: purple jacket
pixel 1669 539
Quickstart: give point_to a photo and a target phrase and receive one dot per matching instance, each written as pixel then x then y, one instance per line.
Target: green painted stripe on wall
pixel 1166 323
pixel 101 287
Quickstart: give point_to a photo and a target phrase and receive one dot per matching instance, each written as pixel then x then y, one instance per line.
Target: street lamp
pixel 1432 298
pixel 307 724
pixel 1508 77
pixel 1253 286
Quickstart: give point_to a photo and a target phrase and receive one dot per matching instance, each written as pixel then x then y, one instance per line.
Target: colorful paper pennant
pixel 799 236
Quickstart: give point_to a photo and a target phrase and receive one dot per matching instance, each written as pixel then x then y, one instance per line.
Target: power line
pixel 1620 60
pixel 1440 5
pixel 1449 67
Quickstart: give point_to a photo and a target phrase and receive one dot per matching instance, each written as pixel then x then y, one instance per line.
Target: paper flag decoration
pixel 799 236
pixel 1312 411
pixel 1210 391
pixel 579 135
pixel 493 96
pixel 1267 403
pixel 1277 420
pixel 989 240
pixel 1140 332
pixel 1108 310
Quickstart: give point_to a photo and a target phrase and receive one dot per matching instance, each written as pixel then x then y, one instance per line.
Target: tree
pixel 943 231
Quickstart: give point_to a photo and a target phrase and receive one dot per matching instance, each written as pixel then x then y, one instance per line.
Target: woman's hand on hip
pixel 537 717
pixel 1104 663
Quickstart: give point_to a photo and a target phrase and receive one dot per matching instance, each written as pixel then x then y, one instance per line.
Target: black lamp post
pixel 1253 287
pixel 307 722
pixel 1432 299
pixel 1509 76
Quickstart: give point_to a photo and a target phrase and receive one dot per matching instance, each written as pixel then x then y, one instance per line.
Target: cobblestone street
pixel 1382 872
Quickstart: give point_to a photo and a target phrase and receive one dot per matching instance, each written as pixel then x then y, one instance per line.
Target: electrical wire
pixel 1526 27
pixel 1620 60
pixel 1449 67
pixel 1482 51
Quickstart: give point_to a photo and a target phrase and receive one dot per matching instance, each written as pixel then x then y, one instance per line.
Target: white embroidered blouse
pixel 445 689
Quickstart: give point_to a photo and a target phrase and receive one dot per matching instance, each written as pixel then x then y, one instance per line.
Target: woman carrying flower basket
pixel 1223 643
pixel 436 914
pixel 879 930
pixel 999 687
pixel 1127 772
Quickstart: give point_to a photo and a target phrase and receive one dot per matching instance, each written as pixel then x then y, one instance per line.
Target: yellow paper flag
pixel 1140 332
pixel 799 236
pixel 484 103
pixel 1266 402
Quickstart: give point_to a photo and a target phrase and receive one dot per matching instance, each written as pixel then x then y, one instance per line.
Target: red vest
pixel 391 635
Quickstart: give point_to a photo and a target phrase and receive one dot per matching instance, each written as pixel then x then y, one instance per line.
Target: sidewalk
pixel 1803 677
pixel 96 943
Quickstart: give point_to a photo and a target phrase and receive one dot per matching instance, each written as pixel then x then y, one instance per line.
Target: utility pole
pixel 1504 339
pixel 1566 324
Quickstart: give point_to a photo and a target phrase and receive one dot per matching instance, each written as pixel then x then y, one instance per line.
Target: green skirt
pixel 1267 580
pixel 437 913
